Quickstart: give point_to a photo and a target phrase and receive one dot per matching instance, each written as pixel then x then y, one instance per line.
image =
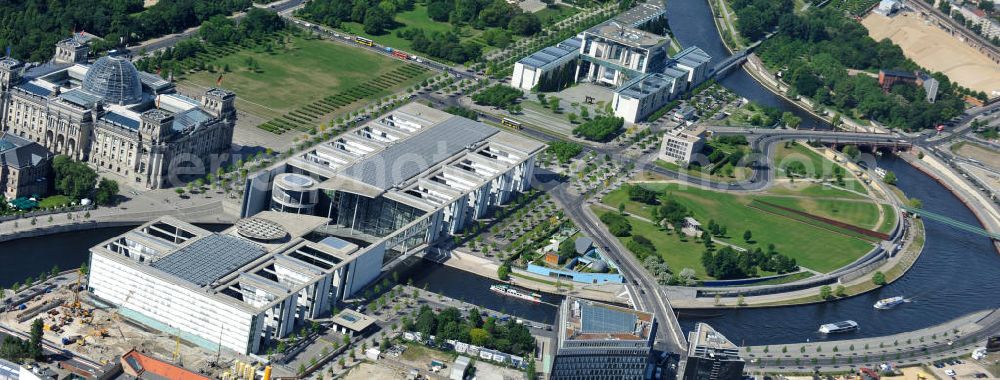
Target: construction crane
pixel 76 307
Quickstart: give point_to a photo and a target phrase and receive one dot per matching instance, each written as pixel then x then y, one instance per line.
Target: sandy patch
pixel 368 371
pixel 935 49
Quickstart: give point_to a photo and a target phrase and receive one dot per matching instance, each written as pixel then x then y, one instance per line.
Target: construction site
pixel 74 321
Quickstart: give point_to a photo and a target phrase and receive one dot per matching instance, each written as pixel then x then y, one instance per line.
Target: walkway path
pixel 207 207
pixel 950 339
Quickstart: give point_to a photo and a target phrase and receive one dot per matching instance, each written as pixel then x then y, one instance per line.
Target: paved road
pixel 646 294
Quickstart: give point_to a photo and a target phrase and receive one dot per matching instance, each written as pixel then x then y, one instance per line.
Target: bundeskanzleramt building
pixel 25 167
pixel 112 116
pixel 602 342
pixel 622 53
pixel 711 356
pixel 240 288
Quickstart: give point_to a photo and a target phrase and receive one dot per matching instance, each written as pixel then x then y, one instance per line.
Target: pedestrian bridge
pixel 952 222
pixel 880 140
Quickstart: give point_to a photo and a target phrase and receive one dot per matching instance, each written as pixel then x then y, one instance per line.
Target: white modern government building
pixel 619 53
pixel 318 227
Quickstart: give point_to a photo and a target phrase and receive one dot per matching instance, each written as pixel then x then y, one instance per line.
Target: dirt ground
pixel 985 155
pixel 936 50
pixel 368 371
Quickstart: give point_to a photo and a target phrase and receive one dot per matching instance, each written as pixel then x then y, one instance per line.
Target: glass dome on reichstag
pixel 115 79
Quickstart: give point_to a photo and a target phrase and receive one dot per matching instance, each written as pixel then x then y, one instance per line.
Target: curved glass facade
pixel 114 79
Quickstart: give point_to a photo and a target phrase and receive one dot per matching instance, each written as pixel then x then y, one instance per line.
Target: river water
pixel 691 23
pixel 956 274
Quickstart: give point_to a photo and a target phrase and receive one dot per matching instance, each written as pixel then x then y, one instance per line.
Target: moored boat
pixel 838 327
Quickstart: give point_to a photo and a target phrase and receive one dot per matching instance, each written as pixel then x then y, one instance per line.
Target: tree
pixel 530 371
pixel 747 236
pixel 35 340
pixel 106 192
pixel 825 292
pixel 621 208
pixel 878 278
pixel 503 273
pixel 73 179
pixel 376 20
pixel 841 291
pixel 524 24
pixel 890 178
pixel 480 337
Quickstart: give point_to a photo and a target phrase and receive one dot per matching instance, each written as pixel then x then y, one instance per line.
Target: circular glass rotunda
pixel 115 80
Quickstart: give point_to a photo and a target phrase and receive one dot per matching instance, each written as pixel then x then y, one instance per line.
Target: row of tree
pixel 32 27
pixel 729 263
pixel 600 128
pixel 218 31
pixel 509 337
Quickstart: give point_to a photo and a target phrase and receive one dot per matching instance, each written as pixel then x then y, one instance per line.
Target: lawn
pixel 54 201
pixel 814 163
pixel 814 248
pixel 739 173
pixel 860 213
pixel 298 73
pixel 676 253
pixel 553 14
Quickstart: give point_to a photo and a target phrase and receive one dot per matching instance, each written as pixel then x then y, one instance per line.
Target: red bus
pixel 401 55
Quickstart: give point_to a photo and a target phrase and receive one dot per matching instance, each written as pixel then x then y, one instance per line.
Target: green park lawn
pixel 856 213
pixel 814 163
pixel 54 201
pixel 553 14
pixel 296 74
pixel 678 254
pixel 739 173
pixel 815 248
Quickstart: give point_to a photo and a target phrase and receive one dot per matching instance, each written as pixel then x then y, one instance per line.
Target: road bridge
pixel 826 137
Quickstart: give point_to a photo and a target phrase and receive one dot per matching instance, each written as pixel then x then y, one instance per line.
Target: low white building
pixel 240 288
pixel 681 144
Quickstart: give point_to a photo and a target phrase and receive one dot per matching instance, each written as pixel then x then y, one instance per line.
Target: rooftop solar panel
pixel 121 120
pixel 401 161
pixel 35 89
pixel 597 319
pixel 209 258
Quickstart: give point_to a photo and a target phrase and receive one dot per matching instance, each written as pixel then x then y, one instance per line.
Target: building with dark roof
pixel 24 167
pixel 711 356
pixel 112 116
pixel 602 342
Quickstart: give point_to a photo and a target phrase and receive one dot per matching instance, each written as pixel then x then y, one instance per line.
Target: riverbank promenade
pixel 954 338
pixel 137 208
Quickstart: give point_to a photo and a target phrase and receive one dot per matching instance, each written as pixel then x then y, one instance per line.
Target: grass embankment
pixel 908 256
pixel 739 173
pixel 816 248
pixel 815 164
pixel 304 81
